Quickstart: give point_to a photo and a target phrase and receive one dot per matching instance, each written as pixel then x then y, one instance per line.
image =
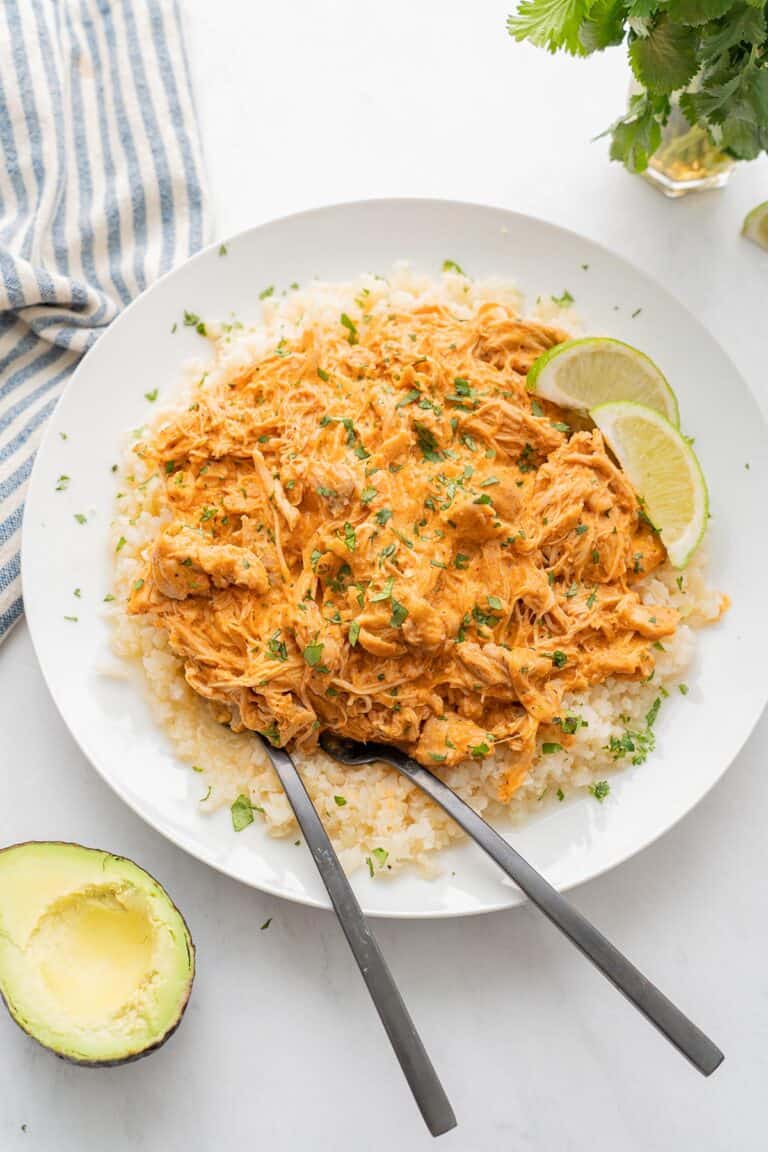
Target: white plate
pixel 698 736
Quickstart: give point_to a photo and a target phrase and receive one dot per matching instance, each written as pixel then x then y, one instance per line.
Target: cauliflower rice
pixel 374 816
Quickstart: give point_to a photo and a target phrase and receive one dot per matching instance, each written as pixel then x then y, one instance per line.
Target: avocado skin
pixel 131 1057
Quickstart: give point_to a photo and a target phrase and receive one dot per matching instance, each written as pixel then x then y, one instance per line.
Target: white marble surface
pixel 313 101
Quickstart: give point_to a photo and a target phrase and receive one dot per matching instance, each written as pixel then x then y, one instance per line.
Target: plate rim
pixel 512 896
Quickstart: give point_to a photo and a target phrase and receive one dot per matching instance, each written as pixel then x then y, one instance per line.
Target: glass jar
pixel 686 160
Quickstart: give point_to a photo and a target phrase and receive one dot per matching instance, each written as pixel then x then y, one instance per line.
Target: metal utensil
pixel 661 1012
pixel 414 1061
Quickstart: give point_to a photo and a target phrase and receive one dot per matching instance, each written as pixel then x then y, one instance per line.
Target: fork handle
pixel 411 1053
pixel 654 1005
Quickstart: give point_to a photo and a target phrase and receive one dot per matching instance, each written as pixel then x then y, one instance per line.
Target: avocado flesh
pixel 96 961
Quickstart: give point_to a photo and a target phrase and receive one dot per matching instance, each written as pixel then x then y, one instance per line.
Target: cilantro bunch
pixel 713 53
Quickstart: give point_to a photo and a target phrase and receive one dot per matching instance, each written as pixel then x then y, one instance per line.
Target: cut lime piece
pixel 598 370
pixel 664 471
pixel 755 226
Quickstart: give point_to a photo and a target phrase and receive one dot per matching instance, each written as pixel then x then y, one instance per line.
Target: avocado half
pixel 96 961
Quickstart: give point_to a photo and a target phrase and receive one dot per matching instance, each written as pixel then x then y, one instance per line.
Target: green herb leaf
pixel 399 613
pixel 350 537
pixel 559 659
pixel 368 494
pixel 478 751
pixel 265 295
pixel 81 519
pixel 549 748
pixel 151 396
pixel 409 398
pixel 550 24
pixel 665 59
pixel 381 856
pixel 354 633
pixel 339 801
pixel 452 266
pixel 426 439
pixel 352 335
pixel 313 654
pixel 600 789
pixel 496 603
pixel 266 924
pixel 242 813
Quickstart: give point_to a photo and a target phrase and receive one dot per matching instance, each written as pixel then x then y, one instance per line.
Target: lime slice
pixel 755 226
pixel 664 471
pixel 598 370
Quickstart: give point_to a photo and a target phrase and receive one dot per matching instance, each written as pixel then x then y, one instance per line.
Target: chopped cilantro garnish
pixel 350 538
pixel 62 483
pixel 151 396
pixel 382 516
pixel 313 654
pixel 600 789
pixel 536 408
pixel 452 266
pixel 368 494
pixel 276 648
pixel 399 613
pixel 81 519
pixel 563 300
pixel 380 855
pixel 478 751
pixel 242 813
pixel 354 633
pixel 559 659
pixel 581 529
pixel 266 924
pixel 682 689
pixel 385 592
pixel 549 748
pixel 339 801
pixel 329 493
pixel 323 375
pixel 270 291
pixel 272 734
pixel 495 602
pixel 352 335
pixel 426 439
pixel 409 398
pixel 461 561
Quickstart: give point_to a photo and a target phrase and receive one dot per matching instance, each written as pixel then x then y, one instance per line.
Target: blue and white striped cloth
pixel 101 191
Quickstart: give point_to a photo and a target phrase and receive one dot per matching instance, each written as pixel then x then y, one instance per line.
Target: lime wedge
pixel 755 226
pixel 598 370
pixel 664 471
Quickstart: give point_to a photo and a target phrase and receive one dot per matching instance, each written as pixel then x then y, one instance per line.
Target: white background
pixel 307 102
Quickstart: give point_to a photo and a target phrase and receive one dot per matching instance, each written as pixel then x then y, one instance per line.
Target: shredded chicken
pixel 377 530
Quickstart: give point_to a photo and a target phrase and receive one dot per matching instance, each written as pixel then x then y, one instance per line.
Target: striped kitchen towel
pixel 101 191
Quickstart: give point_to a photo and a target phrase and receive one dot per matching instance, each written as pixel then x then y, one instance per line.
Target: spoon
pixel 670 1021
pixel 414 1061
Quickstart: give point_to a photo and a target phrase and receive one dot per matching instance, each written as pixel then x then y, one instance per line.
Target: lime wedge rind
pixel 664 470
pixel 755 226
pixel 596 370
